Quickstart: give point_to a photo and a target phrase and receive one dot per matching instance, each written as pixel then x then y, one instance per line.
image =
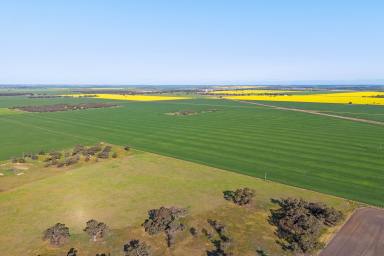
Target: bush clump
pixel 78 149
pixel 57 234
pixel 300 223
pixel 241 196
pixel 136 248
pixel 91 151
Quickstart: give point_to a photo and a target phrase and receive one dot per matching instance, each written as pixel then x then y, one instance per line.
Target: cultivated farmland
pixel 363 98
pixel 325 154
pixel 128 97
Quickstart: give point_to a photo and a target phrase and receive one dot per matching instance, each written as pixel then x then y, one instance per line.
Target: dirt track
pixel 313 112
pixel 362 235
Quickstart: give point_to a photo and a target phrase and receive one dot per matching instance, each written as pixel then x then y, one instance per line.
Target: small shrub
pixel 242 196
pixel 72 252
pixel 103 155
pixel 136 248
pixel 193 231
pixel 261 252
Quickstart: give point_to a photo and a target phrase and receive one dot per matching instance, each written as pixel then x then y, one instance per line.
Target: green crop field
pixel 120 191
pixel 370 112
pixel 333 156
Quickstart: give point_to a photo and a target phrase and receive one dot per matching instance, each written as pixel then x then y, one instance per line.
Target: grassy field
pixel 338 157
pixel 120 191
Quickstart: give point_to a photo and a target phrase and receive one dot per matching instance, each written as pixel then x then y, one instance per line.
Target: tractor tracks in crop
pixel 314 112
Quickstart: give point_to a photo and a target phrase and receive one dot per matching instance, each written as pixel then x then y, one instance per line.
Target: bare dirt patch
pixel 63 107
pixel 362 235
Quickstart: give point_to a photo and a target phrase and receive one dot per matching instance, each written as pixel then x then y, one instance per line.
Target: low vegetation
pixel 223 243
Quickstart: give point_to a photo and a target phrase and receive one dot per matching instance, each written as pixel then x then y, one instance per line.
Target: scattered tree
pixel 57 234
pixel 96 230
pixel 300 223
pixel 165 220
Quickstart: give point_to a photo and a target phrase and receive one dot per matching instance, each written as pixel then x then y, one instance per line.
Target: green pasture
pixel 120 191
pixel 325 154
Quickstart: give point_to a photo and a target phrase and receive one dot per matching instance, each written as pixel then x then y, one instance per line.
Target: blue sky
pixel 190 41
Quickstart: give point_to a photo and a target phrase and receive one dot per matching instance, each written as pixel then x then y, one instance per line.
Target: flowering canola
pixel 367 97
pixel 129 97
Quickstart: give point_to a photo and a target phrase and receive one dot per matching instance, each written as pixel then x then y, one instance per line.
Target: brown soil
pixel 362 235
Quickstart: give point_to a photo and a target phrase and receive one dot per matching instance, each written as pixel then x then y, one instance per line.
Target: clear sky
pixel 190 41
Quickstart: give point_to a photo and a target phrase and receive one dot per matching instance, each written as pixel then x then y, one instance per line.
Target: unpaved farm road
pixel 314 112
pixel 362 235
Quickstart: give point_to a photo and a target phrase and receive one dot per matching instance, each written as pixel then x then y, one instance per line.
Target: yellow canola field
pixel 367 98
pixel 129 97
pixel 240 92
